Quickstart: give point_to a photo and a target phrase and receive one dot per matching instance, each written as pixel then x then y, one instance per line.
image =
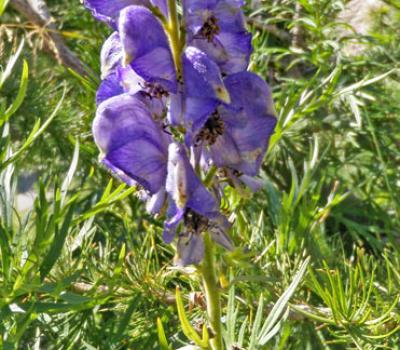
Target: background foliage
pixel 84 267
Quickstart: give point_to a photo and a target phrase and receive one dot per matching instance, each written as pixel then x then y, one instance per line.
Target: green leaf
pixel 187 328
pixel 5 253
pixel 57 244
pixel 124 322
pixel 70 174
pixel 3 5
pixel 271 323
pixel 13 59
pixel 34 134
pixel 73 298
pixel 20 96
pixel 161 336
pixel 257 322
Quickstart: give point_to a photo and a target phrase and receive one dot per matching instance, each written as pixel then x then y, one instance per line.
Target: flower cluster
pixel 179 116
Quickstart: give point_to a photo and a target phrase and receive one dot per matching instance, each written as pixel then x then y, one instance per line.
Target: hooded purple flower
pixel 119 79
pixel 217 27
pixel 237 136
pixel 132 144
pixel 146 47
pixel 203 90
pixel 109 10
pixel 193 204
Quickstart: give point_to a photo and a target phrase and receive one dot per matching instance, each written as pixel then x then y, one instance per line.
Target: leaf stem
pixel 212 292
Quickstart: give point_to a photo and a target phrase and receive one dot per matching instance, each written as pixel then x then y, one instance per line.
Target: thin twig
pixel 37 12
pixel 270 28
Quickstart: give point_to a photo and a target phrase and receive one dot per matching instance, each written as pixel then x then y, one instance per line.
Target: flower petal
pixel 108 10
pixel 248 126
pixel 204 88
pixel 219 228
pixel 146 46
pixel 185 187
pixel 231 51
pixel 132 141
pixel 174 216
pixel 141 160
pixel 129 80
pixel 247 86
pixel 224 151
pixel 110 55
pixel 230 16
pixel 155 203
pixel 198 11
pixel 157 66
pixel 202 76
pixel 190 249
pixel 120 174
pixel 254 183
pixel 175 111
pixel 108 88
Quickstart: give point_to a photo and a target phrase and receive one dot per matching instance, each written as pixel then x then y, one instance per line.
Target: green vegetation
pixel 85 267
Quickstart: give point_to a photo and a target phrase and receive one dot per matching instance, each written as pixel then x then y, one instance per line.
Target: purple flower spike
pixel 108 10
pixel 133 145
pixel 237 136
pixel 218 28
pixel 146 47
pixel 145 109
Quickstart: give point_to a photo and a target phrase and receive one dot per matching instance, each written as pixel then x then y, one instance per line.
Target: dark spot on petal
pixel 195 223
pixel 210 28
pixel 213 128
pixel 154 90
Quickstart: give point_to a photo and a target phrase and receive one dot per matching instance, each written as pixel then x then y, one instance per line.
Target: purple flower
pixel 125 80
pixel 193 204
pixel 217 27
pixel 145 109
pixel 108 10
pixel 133 145
pixel 203 90
pixel 146 47
pixel 119 79
pixel 236 136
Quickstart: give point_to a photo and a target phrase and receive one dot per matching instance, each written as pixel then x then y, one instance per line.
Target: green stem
pixel 212 292
pixel 210 176
pixel 174 37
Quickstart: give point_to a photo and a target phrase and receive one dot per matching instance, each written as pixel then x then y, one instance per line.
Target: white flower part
pixel 110 55
pixel 177 176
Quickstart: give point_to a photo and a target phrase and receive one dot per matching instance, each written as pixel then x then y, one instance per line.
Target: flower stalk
pixel 211 288
pixel 173 30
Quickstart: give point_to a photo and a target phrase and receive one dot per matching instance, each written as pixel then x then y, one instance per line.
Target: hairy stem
pixel 212 292
pixel 173 30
